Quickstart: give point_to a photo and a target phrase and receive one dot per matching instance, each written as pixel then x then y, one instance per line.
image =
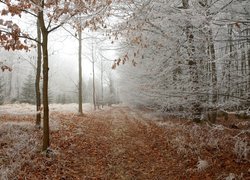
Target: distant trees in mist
pixel 28 90
pixel 1 91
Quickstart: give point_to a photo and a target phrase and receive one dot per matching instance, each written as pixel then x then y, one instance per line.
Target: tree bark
pixel 94 96
pixel 38 76
pixel 46 142
pixel 45 33
pixel 248 60
pixel 93 71
pixel 243 87
pixel 248 84
pixel 230 32
pixel 102 88
pixel 10 86
pixel 80 71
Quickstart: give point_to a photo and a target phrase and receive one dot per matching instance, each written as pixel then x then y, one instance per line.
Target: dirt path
pixel 119 143
pixel 110 144
pixel 135 150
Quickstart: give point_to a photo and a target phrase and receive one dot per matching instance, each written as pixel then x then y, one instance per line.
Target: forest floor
pixel 123 143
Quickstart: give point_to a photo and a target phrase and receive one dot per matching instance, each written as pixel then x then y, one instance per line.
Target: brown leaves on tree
pixel 5 67
pixel 15 8
pixel 10 36
pixel 11 41
pixel 123 60
pixel 118 61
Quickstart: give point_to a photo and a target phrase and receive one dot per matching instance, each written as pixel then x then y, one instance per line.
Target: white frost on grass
pixel 63 107
pixel 18 144
pixel 18 109
pixel 28 109
pixel 73 107
pixel 241 149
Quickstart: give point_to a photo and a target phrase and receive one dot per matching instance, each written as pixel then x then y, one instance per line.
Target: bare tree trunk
pixel 111 85
pixel 80 71
pixel 17 85
pixel 46 142
pixel 44 31
pixel 248 60
pixel 230 31
pixel 38 75
pixel 242 87
pixel 10 86
pixel 93 71
pixel 102 82
pixel 248 84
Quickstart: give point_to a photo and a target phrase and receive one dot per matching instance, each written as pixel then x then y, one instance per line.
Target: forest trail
pixel 111 144
pixel 124 143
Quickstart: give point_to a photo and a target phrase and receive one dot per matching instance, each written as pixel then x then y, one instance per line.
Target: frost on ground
pixel 123 143
pixel 28 109
pixel 18 141
pixel 18 109
pixel 70 107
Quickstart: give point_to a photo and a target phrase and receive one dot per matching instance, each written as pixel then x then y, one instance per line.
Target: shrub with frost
pixel 241 149
pixel 202 165
pixel 19 142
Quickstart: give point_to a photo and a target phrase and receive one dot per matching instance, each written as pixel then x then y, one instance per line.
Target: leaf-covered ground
pixel 123 143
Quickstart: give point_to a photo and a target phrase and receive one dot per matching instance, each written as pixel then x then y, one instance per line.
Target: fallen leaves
pixel 119 143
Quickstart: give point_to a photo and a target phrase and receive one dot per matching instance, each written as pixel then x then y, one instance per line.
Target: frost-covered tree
pixel 162 47
pixel 176 48
pixel 232 43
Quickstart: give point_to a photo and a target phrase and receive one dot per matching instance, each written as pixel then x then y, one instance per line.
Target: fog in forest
pixel 141 88
pixel 163 66
pixel 63 72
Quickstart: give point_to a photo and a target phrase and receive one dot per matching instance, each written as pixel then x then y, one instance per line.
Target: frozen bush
pixel 241 149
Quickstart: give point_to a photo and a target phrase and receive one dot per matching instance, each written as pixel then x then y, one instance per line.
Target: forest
pixel 124 89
